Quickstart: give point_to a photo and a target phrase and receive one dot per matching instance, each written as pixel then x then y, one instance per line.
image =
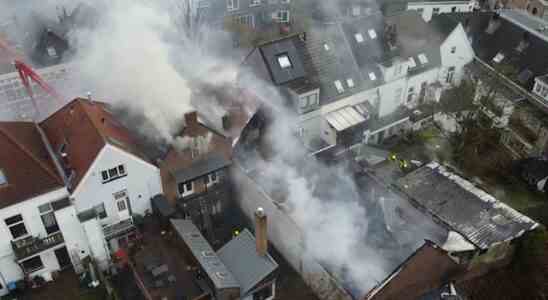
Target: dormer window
pixel 284 61
pixel 3 178
pixel 359 37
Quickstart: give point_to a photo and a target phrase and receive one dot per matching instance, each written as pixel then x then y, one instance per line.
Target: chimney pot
pixel 261 238
pixel 191 119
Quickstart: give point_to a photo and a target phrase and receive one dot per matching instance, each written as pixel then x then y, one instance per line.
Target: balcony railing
pixel 32 245
pixel 118 229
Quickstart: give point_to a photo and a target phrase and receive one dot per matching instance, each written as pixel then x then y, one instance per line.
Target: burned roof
pixel 241 258
pixel 216 270
pixel 463 207
pixel 205 165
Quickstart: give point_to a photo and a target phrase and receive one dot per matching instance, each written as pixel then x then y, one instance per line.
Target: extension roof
pixel 86 127
pixel 463 207
pixel 26 163
pixel 241 258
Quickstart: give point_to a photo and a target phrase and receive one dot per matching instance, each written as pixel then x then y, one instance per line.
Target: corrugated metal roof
pixel 466 209
pixel 345 118
pixel 216 270
pixel 241 257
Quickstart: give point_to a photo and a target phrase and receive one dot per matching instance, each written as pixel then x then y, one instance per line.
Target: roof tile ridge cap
pixel 31 155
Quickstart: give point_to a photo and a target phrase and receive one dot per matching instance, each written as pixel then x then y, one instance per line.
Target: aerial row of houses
pixel 72 184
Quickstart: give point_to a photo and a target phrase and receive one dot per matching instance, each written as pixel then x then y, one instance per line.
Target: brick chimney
pixel 191 119
pixel 261 238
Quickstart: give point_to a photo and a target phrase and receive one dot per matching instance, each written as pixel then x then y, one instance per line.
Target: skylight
pixel 372 76
pixel 284 61
pixel 339 86
pixel 499 57
pixel 359 37
pixel 372 33
pixel 350 82
pixel 412 62
pixel 423 59
pixel 3 178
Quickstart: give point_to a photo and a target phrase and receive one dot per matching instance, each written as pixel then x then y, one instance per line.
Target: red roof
pixel 26 163
pixel 85 127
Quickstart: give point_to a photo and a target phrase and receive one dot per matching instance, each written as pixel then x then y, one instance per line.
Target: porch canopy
pixel 347 117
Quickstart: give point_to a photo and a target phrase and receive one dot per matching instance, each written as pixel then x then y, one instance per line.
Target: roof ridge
pixel 31 155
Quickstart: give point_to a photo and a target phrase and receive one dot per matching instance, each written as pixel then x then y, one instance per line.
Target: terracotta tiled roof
pixel 25 162
pixel 86 127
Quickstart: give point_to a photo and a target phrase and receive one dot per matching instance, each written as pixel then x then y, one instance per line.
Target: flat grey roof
pixel 216 270
pixel 206 165
pixel 249 268
pixel 466 209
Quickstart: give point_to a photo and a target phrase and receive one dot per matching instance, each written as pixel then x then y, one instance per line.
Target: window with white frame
pixel 48 218
pixel 450 75
pixel 16 226
pixel 255 2
pixel 113 173
pixel 283 16
pixel 285 1
pixel 212 179
pixel 247 20
pixel 100 211
pixel 359 37
pixel 422 58
pixel 308 100
pixel 186 188
pixel 232 4
pixel 372 34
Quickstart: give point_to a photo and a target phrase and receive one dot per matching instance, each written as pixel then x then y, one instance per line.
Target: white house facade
pixel 429 8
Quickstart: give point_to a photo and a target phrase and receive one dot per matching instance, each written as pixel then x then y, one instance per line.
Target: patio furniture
pixel 160 270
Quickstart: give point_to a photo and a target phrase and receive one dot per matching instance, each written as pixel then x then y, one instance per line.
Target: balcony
pixel 118 229
pixel 32 245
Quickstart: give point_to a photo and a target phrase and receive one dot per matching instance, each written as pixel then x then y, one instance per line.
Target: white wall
pixel 142 183
pixel 444 7
pixel 73 232
pixel 98 245
pixel 34 226
pixel 416 81
pixel 463 55
pixel 392 95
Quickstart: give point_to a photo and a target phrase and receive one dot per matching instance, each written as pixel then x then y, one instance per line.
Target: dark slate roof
pixel 241 258
pixel 210 163
pixel 505 39
pixel 535 169
pixel 272 51
pixel 161 203
pixel 215 268
pixel 466 209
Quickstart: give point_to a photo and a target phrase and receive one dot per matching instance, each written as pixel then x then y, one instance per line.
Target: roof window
pixel 412 62
pixel 284 61
pixel 499 57
pixel 339 86
pixel 372 33
pixel 423 59
pixel 3 178
pixel 326 47
pixel 350 82
pixel 372 76
pixel 359 37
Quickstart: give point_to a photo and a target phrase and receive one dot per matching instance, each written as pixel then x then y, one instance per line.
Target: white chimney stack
pixel 261 238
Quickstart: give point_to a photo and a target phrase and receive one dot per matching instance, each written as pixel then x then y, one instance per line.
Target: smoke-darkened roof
pixel 460 205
